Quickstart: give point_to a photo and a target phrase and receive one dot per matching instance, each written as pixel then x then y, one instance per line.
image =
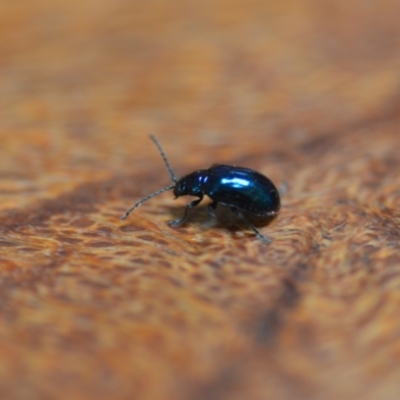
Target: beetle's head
pixel 180 188
pixel 191 184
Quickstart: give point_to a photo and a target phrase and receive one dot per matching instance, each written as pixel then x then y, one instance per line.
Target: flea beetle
pixel 241 189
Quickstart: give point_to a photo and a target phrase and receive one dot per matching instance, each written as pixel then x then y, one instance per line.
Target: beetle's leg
pixel 283 188
pixel 180 221
pixel 211 208
pixel 239 214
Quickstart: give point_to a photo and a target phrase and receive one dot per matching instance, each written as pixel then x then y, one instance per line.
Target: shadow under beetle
pixel 241 189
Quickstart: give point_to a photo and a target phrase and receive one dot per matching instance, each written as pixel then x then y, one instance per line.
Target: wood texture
pixel 92 307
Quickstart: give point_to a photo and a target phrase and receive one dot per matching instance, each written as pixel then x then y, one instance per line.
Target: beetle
pixel 241 189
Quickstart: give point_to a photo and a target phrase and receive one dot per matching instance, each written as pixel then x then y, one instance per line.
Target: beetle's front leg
pixel 180 221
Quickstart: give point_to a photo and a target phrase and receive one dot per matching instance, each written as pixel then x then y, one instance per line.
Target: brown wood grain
pixel 92 307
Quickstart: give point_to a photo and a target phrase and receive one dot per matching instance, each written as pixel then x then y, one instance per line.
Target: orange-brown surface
pixel 92 307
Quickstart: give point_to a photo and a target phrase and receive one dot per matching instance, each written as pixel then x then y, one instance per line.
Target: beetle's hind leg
pixel 180 221
pixel 283 188
pixel 239 214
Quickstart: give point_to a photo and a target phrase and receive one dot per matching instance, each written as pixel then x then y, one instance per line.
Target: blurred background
pixel 306 92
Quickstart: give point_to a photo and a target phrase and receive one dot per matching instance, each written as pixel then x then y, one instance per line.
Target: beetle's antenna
pixel 160 149
pixel 146 198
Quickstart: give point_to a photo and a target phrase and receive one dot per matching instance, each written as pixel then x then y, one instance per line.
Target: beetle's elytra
pixel 241 189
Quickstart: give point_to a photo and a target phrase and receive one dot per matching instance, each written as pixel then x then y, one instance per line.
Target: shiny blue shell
pixel 242 187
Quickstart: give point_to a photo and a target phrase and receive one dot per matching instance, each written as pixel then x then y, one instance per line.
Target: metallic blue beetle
pixel 241 189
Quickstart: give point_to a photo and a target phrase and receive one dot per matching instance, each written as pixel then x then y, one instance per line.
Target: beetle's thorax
pixel 191 184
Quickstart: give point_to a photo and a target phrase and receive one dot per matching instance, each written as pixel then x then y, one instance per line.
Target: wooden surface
pixel 91 307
